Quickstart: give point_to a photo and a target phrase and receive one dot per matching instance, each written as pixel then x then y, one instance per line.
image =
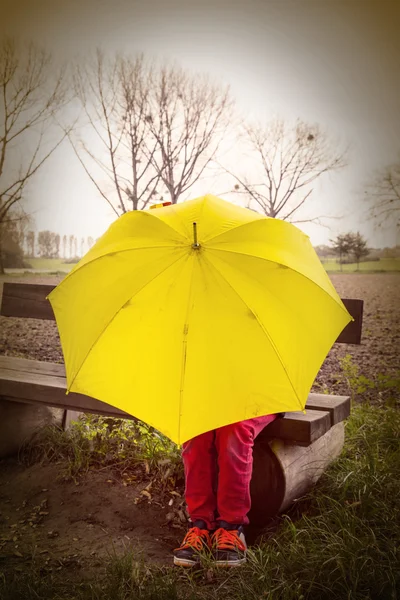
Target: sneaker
pixel 195 541
pixel 229 546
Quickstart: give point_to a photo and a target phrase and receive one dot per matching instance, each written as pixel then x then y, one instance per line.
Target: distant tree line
pixel 48 244
pixel 327 252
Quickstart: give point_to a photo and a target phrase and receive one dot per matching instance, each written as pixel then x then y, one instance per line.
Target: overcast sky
pixel 333 62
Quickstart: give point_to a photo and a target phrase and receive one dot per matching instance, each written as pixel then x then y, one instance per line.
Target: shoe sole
pixel 230 563
pixel 184 562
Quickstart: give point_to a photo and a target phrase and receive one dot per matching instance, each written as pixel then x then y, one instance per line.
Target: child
pixel 218 467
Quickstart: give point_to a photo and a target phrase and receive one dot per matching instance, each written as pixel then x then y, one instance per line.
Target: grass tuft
pixel 128 446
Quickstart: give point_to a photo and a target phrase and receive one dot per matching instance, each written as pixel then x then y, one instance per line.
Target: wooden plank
pixel 50 390
pixel 28 365
pixel 351 334
pixel 28 300
pixel 44 383
pixel 299 428
pixel 69 417
pixel 337 406
pixel 96 407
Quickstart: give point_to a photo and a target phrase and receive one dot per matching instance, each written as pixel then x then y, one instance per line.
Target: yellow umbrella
pixel 197 315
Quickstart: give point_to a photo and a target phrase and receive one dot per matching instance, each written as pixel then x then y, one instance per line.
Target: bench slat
pixel 351 334
pixel 40 382
pixel 28 365
pixel 299 428
pixel 28 300
pixel 339 407
pixel 50 390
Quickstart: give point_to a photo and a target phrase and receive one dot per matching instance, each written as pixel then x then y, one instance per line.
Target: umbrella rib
pixel 255 219
pixel 184 347
pixel 262 327
pixel 178 216
pixel 186 329
pixel 283 264
pixel 116 314
pixel 154 216
pixel 89 262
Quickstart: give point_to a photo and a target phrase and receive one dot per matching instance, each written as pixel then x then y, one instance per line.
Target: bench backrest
pixel 28 300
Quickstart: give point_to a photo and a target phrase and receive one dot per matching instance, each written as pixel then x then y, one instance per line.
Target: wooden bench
pixel 289 455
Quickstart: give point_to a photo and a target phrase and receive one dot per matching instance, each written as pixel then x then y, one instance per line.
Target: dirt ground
pixel 73 526
pixel 379 350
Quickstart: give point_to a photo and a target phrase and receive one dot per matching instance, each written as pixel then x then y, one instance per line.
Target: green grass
pixel 340 542
pixel 50 264
pixel 374 266
pixel 94 441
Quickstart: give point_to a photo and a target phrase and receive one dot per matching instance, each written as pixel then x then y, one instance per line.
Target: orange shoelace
pixel 228 540
pixel 196 538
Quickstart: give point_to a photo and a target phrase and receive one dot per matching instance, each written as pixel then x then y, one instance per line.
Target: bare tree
pixel 384 195
pixel 11 252
pixel 29 100
pixel 71 245
pixel 13 235
pixel 288 160
pixel 20 222
pixel 30 242
pixel 64 241
pixel 47 244
pixel 135 81
pixel 115 98
pixel 359 248
pixel 154 127
pixel 57 240
pixel 189 117
pixel 346 244
pixel 342 245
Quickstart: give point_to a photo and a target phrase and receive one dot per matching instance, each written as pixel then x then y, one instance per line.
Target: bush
pixel 71 261
pixel 94 441
pixel 14 259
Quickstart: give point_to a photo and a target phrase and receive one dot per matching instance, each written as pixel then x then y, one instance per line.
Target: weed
pixel 128 446
pixel 387 386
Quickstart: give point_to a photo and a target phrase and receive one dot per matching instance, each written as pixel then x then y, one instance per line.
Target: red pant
pixel 218 467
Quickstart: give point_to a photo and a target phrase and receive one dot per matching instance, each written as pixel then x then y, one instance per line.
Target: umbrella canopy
pixel 197 315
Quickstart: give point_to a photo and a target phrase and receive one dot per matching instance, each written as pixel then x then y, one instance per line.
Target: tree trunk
pixel 2 272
